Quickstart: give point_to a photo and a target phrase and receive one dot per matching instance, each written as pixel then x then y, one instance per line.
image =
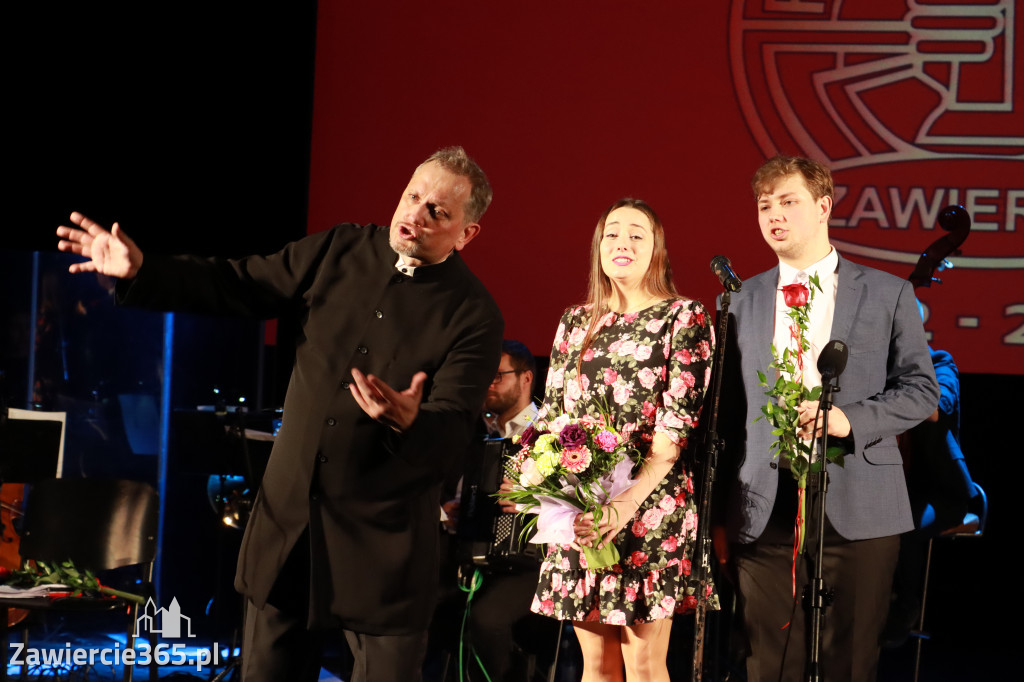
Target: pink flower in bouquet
pixel 529 474
pixel 561 420
pixel 607 440
pixel 576 459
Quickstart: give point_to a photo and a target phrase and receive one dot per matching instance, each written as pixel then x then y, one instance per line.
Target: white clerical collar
pixel 407 269
pixel 824 269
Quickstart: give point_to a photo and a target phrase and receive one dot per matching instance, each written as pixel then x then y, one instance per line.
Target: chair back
pixel 99 524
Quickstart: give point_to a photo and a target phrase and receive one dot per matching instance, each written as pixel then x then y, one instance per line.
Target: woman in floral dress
pixel 640 353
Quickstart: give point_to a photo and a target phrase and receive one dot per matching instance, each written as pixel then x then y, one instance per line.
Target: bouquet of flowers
pixel 80 582
pixel 786 394
pixel 567 466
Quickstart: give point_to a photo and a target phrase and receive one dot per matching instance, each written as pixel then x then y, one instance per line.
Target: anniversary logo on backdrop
pixel 912 105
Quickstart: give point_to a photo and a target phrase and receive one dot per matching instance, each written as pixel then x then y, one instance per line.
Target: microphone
pixel 832 360
pixel 721 266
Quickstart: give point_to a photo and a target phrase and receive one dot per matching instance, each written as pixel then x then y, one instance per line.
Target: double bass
pixel 957 223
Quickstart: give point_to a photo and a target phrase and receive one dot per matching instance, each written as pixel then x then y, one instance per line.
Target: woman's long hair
pixel 657 281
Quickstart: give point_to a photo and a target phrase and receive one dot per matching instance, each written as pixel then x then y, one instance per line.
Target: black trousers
pixel 279 647
pixel 860 573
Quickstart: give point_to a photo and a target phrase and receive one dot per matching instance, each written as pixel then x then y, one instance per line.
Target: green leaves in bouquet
pixel 82 582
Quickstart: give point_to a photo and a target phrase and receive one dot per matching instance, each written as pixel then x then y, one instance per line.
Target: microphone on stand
pixel 721 266
pixel 832 360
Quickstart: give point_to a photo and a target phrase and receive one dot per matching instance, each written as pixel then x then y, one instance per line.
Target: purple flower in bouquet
pixel 572 436
pixel 529 436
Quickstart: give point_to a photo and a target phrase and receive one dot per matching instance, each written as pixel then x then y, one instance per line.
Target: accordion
pixel 486 536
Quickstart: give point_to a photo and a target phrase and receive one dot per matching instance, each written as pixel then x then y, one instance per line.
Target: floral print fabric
pixel 648 371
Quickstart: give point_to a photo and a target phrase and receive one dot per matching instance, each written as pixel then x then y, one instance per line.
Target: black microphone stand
pixel 712 448
pixel 817 597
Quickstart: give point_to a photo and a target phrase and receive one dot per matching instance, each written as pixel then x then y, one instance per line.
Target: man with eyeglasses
pixel 503 600
pixel 508 408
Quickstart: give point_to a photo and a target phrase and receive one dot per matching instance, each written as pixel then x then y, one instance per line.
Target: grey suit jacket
pixel 888 387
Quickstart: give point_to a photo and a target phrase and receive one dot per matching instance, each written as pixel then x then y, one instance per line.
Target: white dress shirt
pixel 820 314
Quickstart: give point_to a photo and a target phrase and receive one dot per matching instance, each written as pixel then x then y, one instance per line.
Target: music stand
pixel 30 449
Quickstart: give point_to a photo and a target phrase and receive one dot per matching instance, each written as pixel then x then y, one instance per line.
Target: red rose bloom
pixel 639 558
pixel 796 295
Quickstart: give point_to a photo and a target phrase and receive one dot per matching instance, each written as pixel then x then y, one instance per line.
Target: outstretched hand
pixel 397 409
pixel 109 253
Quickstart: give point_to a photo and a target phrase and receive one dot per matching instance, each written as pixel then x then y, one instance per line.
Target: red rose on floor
pixel 796 295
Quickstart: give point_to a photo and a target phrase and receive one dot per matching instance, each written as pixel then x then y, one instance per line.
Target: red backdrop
pixel 571 105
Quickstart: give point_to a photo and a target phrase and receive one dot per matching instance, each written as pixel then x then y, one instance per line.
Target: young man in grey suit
pixel 888 386
pixel 343 535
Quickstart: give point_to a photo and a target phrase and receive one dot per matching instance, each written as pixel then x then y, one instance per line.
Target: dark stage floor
pixel 959 651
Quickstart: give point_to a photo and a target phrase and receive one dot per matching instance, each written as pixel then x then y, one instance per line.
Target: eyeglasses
pixel 501 375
